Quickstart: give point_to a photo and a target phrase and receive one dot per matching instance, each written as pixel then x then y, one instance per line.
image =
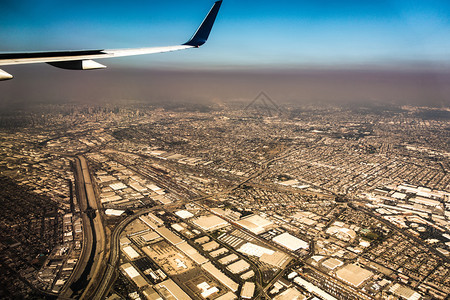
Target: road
pixel 82 282
pixel 98 264
pixel 76 283
pixel 106 281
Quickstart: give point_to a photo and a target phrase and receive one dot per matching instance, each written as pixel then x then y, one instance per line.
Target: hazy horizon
pixel 44 84
pixel 392 51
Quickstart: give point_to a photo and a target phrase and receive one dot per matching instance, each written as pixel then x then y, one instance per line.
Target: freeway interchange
pixel 98 264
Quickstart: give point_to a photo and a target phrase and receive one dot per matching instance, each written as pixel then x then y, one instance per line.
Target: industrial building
pixel 255 224
pixel 247 275
pixel 313 289
pixel 207 290
pixel 130 252
pixel 218 252
pixel 404 292
pixel 353 275
pixel 170 290
pixel 210 246
pixel 332 263
pixel 192 253
pixel 221 277
pixel 248 289
pixel 210 222
pixel 277 259
pixel 239 267
pixel 148 222
pixel 151 236
pixel 228 259
pixel 169 235
pixel 227 296
pixel 134 275
pixel 184 214
pixel 290 242
pixel 291 293
pixel 254 250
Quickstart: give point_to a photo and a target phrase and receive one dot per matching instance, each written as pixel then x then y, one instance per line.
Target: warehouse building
pixel 210 222
pixel 221 277
pixel 277 259
pixel 353 275
pixel 169 290
pixel 130 252
pixel 248 289
pixel 256 224
pixel 184 214
pixel 210 246
pixel 228 259
pixel 238 267
pixel 192 253
pixel 290 242
pixel 134 275
pixel 169 235
pixel 151 236
pixel 227 296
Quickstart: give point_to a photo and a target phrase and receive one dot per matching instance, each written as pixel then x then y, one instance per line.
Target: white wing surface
pixel 83 59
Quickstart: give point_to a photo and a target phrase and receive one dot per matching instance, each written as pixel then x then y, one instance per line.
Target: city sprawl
pixel 220 202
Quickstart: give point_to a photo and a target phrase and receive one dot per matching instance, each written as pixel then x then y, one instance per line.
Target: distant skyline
pixel 266 34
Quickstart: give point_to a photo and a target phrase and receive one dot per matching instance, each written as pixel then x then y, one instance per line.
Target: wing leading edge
pixel 82 59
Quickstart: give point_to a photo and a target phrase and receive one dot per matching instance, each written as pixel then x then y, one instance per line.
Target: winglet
pixel 201 35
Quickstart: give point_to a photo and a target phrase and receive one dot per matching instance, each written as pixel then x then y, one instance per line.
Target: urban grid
pixel 235 201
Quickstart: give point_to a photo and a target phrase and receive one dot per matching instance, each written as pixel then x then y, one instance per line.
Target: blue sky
pixel 247 33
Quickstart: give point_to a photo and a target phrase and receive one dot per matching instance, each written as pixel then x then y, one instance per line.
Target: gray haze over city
pixel 376 85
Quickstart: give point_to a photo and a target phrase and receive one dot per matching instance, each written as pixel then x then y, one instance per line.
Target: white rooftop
pixel 291 242
pixel 114 212
pixel 184 214
pixel 210 222
pixel 254 250
pixel 132 272
pixel 131 252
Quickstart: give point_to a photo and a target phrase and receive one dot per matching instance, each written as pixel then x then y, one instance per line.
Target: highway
pixel 106 281
pixel 76 282
pixel 104 285
pixel 99 233
pixel 90 265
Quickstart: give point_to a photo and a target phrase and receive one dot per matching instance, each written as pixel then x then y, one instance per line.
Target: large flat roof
pixel 224 279
pixel 238 267
pixel 255 224
pixel 291 242
pixel 184 214
pixel 192 253
pixel 227 296
pixel 353 274
pixel 134 275
pixel 150 236
pixel 130 252
pixel 332 263
pixel 291 293
pixel 210 222
pixel 169 235
pixel 171 290
pixel 313 289
pixel 254 250
pixel 248 289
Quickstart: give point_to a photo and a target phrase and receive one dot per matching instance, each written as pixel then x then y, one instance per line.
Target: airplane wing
pixel 83 59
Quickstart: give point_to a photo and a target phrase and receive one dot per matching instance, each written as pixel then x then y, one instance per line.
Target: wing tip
pixel 201 35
